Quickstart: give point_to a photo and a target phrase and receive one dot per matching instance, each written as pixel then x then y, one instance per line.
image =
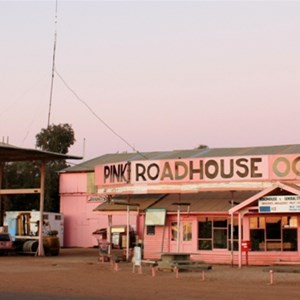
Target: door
pixel 181 242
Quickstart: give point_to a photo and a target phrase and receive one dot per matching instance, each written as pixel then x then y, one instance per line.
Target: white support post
pixel 240 239
pixel 127 233
pixel 42 195
pixel 178 228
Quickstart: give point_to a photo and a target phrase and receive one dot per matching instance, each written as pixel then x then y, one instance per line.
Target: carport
pixel 10 153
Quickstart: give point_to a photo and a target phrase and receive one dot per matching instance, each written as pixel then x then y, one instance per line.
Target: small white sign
pixel 279 204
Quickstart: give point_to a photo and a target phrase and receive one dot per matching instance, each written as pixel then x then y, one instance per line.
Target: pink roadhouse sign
pixel 199 170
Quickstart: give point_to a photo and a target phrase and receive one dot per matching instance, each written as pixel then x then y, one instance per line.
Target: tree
pixel 56 138
pixel 23 174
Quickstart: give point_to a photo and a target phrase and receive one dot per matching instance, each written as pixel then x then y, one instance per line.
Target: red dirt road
pixel 77 273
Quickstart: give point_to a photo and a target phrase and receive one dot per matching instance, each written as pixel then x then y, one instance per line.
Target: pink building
pixel 221 205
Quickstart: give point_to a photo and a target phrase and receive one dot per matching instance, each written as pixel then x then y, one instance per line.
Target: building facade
pixel 227 205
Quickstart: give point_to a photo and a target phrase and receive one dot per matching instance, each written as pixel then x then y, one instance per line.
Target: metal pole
pixel 231 229
pixel 53 66
pixel 42 193
pixel 163 239
pixel 127 234
pixel 1 206
pixel 240 240
pixel 178 228
pixel 109 233
pixel 231 236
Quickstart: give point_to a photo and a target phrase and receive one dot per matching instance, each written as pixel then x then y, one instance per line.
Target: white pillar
pixel 231 238
pixel 240 239
pixel 178 228
pixel 127 233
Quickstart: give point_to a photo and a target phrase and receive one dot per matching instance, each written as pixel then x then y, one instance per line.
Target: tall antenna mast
pixel 53 66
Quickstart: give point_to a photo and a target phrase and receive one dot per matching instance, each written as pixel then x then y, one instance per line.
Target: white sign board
pixel 279 204
pixel 155 216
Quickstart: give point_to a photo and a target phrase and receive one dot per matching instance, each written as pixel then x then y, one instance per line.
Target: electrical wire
pixel 97 117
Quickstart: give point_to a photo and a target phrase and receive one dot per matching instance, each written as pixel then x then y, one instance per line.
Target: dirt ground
pixel 77 273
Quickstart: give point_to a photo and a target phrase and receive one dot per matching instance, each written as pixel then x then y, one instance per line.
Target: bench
pixel 187 262
pixel 193 266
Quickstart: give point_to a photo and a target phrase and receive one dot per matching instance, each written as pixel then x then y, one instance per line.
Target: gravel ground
pixel 76 273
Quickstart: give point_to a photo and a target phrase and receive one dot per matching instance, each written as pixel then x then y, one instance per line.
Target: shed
pixel 10 153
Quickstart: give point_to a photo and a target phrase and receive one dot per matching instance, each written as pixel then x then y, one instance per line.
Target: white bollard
pixel 271 277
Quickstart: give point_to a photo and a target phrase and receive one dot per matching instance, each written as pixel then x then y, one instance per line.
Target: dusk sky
pixel 164 75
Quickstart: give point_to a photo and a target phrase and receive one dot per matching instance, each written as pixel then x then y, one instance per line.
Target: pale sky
pixel 164 75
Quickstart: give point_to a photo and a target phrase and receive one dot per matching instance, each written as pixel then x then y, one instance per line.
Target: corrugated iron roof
pixel 199 202
pixel 10 153
pixel 119 203
pixel 89 165
pixel 203 201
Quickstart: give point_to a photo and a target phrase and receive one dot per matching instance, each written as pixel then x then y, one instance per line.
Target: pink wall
pixel 161 241
pixel 73 183
pixel 80 221
pixel 153 247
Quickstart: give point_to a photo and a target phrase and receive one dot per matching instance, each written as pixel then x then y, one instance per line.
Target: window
pixel 220 233
pixel 205 234
pixel 274 233
pixel 235 235
pixel 150 229
pixel 213 233
pixel 257 233
pixel 187 231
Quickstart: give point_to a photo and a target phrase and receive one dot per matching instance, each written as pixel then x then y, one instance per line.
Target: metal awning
pixel 119 203
pixel 202 202
pixel 10 153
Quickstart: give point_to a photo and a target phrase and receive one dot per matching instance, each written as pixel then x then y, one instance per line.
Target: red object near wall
pixel 246 246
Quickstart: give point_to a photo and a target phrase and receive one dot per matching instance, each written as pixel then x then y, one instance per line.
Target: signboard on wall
pixel 155 216
pixel 279 204
pixel 174 175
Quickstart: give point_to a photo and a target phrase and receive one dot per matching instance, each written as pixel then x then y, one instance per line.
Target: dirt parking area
pixel 77 273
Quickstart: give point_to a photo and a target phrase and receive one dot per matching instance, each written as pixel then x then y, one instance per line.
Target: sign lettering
pixel 197 170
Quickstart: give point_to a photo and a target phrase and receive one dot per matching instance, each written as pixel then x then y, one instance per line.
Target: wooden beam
pixel 19 191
